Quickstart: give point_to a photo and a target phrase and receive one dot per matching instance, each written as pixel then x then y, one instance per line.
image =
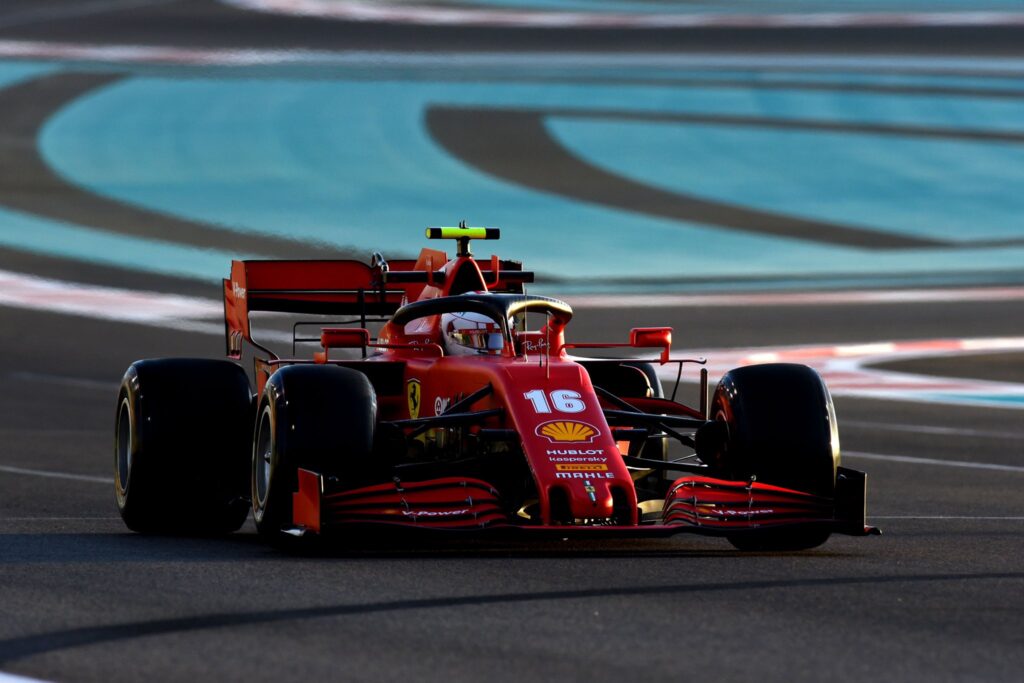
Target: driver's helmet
pixel 469 334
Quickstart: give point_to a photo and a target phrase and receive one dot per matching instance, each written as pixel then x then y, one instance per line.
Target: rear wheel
pixel 315 417
pixel 782 431
pixel 181 446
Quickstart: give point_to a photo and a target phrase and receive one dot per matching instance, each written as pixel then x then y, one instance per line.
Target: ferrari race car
pixel 464 411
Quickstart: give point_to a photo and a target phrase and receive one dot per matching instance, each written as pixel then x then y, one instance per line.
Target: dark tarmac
pixel 938 597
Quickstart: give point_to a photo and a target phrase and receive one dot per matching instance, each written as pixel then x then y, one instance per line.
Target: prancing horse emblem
pixel 412 392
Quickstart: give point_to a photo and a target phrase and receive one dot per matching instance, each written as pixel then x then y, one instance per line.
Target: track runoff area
pixel 924 366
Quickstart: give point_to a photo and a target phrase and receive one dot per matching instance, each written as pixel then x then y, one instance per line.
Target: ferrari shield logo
pixel 412 393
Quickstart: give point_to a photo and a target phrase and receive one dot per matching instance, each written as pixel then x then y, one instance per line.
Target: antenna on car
pixel 463 235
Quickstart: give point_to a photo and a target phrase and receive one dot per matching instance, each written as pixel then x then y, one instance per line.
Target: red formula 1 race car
pixel 465 412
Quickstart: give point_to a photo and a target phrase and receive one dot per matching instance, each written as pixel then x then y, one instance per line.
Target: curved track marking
pixel 990 518
pixel 942 431
pixel 28 184
pixel 753 83
pixel 508 143
pixel 933 461
pixel 109 303
pixel 13 678
pixel 169 311
pixel 814 62
pixel 829 298
pixel 21 647
pixel 433 15
pixel 847 369
pixel 56 475
pixel 844 368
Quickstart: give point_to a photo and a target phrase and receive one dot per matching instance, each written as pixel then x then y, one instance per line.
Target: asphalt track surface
pixel 940 596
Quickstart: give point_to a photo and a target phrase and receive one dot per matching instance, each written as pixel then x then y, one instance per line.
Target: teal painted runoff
pixel 351 163
pixel 51 238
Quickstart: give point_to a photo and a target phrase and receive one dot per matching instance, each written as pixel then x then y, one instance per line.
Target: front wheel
pixel 782 431
pixel 315 417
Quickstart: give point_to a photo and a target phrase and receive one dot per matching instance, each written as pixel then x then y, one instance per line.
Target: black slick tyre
pixel 181 441
pixel 316 417
pixel 782 431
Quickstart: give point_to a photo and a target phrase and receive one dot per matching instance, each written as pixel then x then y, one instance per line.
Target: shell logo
pixel 565 431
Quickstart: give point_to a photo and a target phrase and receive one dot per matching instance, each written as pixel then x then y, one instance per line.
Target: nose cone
pixel 574 459
pixel 589 497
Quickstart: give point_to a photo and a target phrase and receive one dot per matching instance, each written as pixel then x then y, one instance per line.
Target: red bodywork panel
pixel 573 452
pixel 709 502
pixel 310 286
pixel 694 503
pixel 532 389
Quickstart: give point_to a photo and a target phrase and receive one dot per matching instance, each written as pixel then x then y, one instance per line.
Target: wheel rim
pixel 123 448
pixel 261 459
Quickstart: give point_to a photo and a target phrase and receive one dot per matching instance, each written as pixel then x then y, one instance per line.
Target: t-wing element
pixel 463 235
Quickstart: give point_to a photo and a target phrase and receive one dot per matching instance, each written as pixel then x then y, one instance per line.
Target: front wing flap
pixel 694 504
pixel 449 502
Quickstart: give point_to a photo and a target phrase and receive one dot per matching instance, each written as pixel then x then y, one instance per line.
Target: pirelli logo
pixel 585 467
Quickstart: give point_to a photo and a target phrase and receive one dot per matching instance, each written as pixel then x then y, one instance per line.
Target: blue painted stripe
pixel 949 190
pixel 993 83
pixel 997 400
pixel 12 73
pixel 28 233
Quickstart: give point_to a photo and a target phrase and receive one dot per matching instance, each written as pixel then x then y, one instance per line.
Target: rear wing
pixel 343 288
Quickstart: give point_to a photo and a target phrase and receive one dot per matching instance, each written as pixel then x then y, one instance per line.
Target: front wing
pixel 694 504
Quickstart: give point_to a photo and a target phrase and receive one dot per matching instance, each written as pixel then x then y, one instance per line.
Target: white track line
pixel 426 14
pixel 169 311
pixel 11 678
pixel 951 517
pixel 922 429
pixel 898 296
pixel 933 461
pixel 64 380
pixel 852 369
pixel 845 367
pixel 110 303
pixel 59 519
pixel 155 54
pixel 56 475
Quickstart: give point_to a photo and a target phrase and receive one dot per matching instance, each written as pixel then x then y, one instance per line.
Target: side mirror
pixel 652 338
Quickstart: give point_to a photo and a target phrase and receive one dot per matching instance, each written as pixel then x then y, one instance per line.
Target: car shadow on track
pixel 20 647
pixel 57 547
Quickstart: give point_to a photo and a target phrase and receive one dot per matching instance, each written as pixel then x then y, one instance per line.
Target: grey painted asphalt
pixel 939 597
pixel 205 23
